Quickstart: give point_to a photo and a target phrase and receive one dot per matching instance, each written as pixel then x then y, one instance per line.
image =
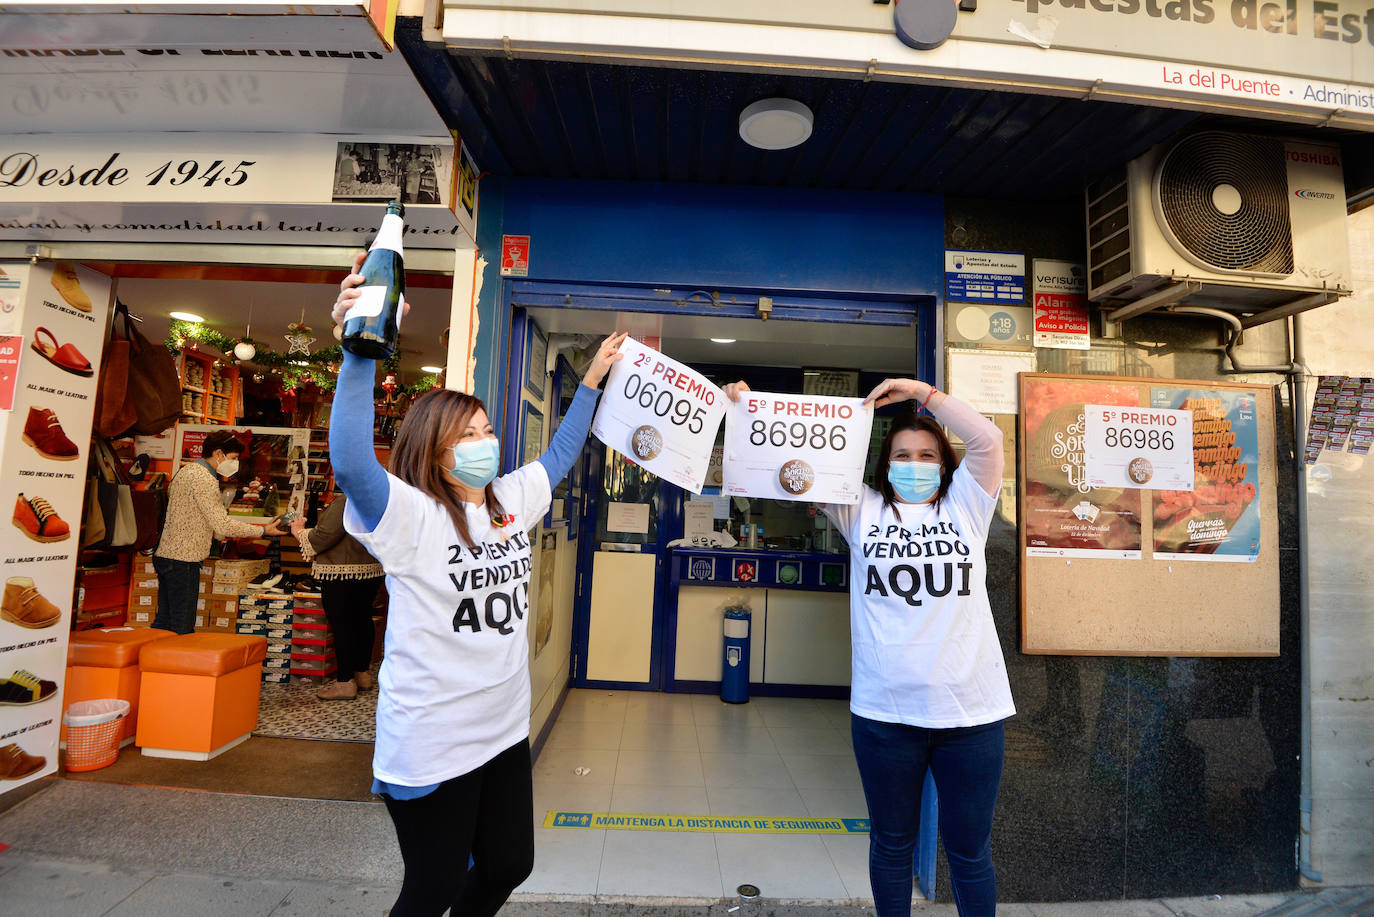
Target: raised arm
pixel 356 469
pixel 567 442
pixel 984 457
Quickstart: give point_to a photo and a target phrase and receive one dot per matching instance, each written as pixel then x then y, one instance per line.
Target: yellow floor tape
pixel 713 824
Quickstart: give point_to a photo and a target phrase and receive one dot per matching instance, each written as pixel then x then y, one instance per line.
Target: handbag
pixel 154 387
pixel 114 412
pixel 93 527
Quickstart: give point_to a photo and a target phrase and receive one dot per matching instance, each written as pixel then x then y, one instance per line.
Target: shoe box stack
pixel 268 614
pixel 102 595
pixel 312 643
pixel 227 580
pixel 142 605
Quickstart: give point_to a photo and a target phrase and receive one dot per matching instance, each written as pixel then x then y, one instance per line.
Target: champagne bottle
pixel 372 325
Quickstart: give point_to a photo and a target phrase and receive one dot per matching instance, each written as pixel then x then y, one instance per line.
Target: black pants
pixel 348 606
pixel 178 589
pixel 488 813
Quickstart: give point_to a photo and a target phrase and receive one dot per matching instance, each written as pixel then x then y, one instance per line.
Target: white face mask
pixel 228 467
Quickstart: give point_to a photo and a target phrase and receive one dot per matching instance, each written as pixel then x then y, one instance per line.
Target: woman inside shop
pixel 452 759
pixel 929 688
pixel 349 578
pixel 195 517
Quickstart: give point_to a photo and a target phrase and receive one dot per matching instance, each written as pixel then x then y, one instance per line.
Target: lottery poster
pixel 1065 515
pixel 796 447
pixel 1219 519
pixel 661 414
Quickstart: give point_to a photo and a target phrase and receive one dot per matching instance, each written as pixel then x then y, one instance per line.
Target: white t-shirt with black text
pixel 924 646
pixel 455 684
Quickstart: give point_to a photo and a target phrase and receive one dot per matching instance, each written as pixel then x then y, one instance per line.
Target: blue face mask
pixel 914 482
pixel 476 463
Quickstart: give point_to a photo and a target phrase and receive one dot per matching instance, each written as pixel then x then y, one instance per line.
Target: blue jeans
pixel 178 590
pixel 967 766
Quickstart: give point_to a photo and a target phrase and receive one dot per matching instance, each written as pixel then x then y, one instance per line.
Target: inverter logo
pixel 1314 195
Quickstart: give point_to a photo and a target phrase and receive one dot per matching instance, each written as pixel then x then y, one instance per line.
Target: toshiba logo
pixel 1321 159
pixel 1314 195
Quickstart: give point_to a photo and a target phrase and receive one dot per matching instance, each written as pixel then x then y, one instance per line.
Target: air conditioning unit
pixel 1256 222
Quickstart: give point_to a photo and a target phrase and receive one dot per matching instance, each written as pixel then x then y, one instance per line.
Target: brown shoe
pixel 339 690
pixel 68 284
pixel 15 763
pixel 44 433
pixel 365 681
pixel 24 606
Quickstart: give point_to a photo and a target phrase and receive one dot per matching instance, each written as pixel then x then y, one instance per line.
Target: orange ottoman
pixel 199 695
pixel 104 663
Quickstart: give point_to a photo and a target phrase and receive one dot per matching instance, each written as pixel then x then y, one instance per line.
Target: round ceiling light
pixel 431 369
pixel 775 124
pixel 186 317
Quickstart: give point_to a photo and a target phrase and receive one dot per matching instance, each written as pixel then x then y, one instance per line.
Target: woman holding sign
pixel 452 759
pixel 929 687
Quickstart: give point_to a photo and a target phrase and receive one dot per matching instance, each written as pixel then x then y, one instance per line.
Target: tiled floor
pixel 690 754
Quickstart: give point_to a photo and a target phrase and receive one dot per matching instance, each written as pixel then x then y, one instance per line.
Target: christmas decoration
pixel 245 350
pixel 298 337
pixel 389 384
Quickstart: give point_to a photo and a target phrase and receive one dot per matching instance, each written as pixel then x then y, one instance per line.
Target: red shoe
pixel 63 356
pixel 37 519
pixel 44 433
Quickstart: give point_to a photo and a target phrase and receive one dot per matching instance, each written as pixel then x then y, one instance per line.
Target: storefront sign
pixel 796 447
pixel 998 277
pixel 1219 518
pixel 194 167
pixel 1061 305
pixel 61 342
pixel 1140 448
pixel 987 379
pixel 515 256
pixel 1279 58
pixel 346 225
pixel 661 414
pixel 1064 514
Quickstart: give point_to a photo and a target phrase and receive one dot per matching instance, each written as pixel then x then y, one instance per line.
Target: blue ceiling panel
pixel 564 119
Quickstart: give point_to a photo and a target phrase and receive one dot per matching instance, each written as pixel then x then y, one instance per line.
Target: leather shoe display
pixel 23 605
pixel 15 763
pixel 68 285
pixel 23 687
pixel 44 433
pixel 36 518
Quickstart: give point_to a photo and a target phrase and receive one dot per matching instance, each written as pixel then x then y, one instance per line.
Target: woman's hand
pixel 892 390
pixel 349 292
pixel 297 526
pixel 606 354
pixel 734 389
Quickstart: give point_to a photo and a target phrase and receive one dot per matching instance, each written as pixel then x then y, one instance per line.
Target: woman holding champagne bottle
pixel 452 759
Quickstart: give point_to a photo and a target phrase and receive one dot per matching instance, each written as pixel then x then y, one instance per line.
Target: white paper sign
pixel 661 414
pixel 1139 448
pixel 698 518
pixel 987 379
pixel 628 517
pixel 796 447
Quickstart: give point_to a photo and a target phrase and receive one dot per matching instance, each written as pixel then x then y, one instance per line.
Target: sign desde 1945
pixel 20 169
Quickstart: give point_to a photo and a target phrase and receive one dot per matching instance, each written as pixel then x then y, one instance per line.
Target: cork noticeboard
pixel 1126 572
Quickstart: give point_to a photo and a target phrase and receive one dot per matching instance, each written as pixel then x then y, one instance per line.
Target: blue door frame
pixel 838 310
